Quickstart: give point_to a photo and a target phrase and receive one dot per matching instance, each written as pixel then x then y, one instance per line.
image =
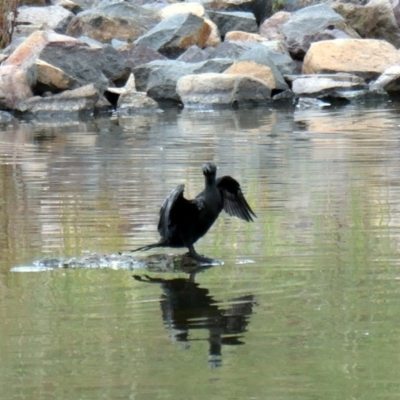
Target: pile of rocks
pixel 85 56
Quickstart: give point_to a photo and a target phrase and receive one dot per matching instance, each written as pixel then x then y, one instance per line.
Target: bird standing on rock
pixel 183 222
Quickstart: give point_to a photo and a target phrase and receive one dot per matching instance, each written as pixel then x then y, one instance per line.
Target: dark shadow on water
pixel 186 306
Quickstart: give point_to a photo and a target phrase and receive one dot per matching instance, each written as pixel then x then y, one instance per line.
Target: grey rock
pixel 281 64
pixel 5 117
pixel 308 25
pixel 158 78
pixel 233 21
pixel 120 20
pixel 232 50
pixel 80 101
pixel 139 55
pixel 31 19
pixel 173 35
pixel 86 64
pixel 388 82
pixel 340 85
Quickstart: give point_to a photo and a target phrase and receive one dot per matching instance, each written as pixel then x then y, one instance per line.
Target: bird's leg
pixel 198 257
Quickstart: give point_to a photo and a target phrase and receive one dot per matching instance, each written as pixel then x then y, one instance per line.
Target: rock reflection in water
pixel 186 306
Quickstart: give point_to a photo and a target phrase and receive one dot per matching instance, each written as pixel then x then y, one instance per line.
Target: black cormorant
pixel 183 222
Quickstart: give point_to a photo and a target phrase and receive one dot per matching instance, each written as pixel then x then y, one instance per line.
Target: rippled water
pixel 306 305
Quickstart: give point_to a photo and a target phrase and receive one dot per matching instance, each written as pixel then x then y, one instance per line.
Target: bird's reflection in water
pixel 186 306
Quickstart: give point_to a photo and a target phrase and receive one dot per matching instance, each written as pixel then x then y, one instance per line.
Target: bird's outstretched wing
pixel 165 224
pixel 234 202
pixel 172 212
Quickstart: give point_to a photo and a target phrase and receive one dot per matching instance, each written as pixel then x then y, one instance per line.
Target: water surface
pixel 306 305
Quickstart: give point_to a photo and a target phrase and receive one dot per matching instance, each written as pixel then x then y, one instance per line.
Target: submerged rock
pixel 117 261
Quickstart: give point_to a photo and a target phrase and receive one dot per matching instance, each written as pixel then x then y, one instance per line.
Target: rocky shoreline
pixel 86 57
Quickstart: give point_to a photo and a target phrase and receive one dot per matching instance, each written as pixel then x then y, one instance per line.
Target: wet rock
pixel 304 103
pixel 210 90
pixel 154 262
pixel 14 86
pixel 5 117
pixel 159 78
pixel 388 82
pixel 131 101
pixel 271 28
pixel 31 19
pixel 329 85
pixel 312 24
pixel 80 101
pixel 120 20
pixel 173 35
pixel 364 57
pixel 233 21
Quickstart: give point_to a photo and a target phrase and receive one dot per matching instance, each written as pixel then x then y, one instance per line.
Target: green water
pixel 306 305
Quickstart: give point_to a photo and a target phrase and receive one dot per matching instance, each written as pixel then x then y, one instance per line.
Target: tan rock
pixel 365 57
pixel 53 77
pixel 214 39
pixel 182 8
pixel 254 70
pixel 244 36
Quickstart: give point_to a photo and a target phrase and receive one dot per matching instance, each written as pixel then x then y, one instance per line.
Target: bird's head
pixel 209 169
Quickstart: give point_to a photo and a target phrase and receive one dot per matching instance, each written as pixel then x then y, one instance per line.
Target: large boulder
pixel 114 21
pixel 48 59
pixel 363 57
pixel 312 24
pixel 210 90
pixel 173 35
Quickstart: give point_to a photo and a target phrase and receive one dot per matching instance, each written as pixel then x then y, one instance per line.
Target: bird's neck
pixel 210 182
